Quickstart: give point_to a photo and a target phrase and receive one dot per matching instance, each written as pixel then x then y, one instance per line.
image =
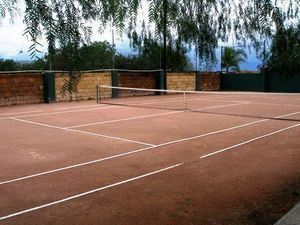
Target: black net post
pixel 160 81
pixel 115 83
pixel 49 87
pixel 198 81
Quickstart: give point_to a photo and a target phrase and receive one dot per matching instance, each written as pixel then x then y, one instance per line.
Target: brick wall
pixel 210 81
pixel 21 88
pixel 181 81
pixel 86 87
pixel 136 80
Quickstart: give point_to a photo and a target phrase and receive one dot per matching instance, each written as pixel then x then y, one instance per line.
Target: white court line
pixel 275 104
pixel 64 112
pixel 262 95
pixel 84 132
pixel 251 93
pixel 89 192
pixel 139 150
pixel 125 119
pixel 137 177
pixel 290 114
pixel 221 106
pixel 162 101
pixel 17 113
pixel 95 107
pixel 77 107
pixel 249 141
pixel 75 166
pixel 106 136
pixel 112 137
pixel 36 123
pixel 152 115
pixel 90 109
pixel 202 98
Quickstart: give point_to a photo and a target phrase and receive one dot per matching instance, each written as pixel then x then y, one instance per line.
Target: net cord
pixel 198 92
pixel 141 89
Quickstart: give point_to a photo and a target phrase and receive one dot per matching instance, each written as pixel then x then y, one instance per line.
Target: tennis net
pixel 146 98
pixel 251 105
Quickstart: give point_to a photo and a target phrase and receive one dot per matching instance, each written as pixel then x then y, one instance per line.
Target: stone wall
pixel 136 80
pixel 181 81
pixel 210 81
pixel 86 87
pixel 21 88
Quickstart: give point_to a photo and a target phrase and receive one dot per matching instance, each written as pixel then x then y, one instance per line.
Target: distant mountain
pixel 22 62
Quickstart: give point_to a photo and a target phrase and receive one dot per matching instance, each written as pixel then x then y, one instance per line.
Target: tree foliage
pixel 11 65
pixel 8 65
pixel 98 55
pixel 150 56
pixel 285 50
pixel 204 23
pixel 8 7
pixel 66 23
pixel 231 58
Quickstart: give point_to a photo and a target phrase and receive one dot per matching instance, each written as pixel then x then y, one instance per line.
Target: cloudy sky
pixel 13 44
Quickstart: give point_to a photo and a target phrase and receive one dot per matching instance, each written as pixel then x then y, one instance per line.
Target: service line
pixel 18 113
pixel 83 132
pixel 78 107
pixel 65 112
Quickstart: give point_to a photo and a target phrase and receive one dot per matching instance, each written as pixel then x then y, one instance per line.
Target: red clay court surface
pixel 233 160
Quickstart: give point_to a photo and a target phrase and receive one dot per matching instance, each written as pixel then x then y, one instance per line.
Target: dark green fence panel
pixel 276 82
pixel 160 81
pixel 49 87
pixel 198 81
pixel 243 82
pixel 115 83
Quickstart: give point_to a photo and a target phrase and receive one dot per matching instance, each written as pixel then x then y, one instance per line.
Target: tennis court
pixel 175 158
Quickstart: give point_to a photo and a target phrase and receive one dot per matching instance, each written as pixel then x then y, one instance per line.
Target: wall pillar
pixel 49 87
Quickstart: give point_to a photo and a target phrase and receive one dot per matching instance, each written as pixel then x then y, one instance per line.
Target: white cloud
pixel 13 42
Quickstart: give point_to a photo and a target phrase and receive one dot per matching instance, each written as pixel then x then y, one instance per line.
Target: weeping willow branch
pixel 64 23
pixel 8 7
